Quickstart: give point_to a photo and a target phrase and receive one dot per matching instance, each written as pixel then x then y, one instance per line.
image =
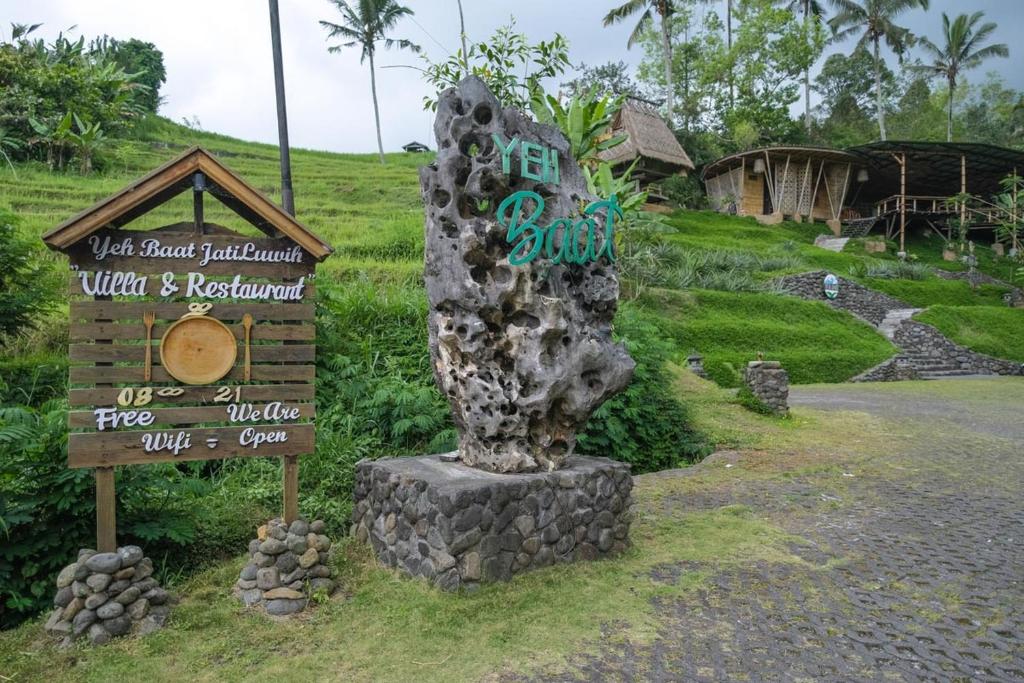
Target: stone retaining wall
pixel 866 304
pixel 457 526
pixel 928 341
pixel 895 369
pixel 107 595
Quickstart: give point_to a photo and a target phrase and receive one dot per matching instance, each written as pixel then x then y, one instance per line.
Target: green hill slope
pixel 702 289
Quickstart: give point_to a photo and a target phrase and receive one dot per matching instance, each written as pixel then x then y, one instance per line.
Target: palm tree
pixel 810 9
pixel 365 25
pixel 962 51
pixel 876 18
pixel 647 8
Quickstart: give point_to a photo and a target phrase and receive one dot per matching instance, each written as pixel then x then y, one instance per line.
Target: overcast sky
pixel 219 68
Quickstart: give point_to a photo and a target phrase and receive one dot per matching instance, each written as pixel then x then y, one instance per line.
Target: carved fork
pixel 148 318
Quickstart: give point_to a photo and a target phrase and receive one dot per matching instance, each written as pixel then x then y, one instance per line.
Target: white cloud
pixel 219 66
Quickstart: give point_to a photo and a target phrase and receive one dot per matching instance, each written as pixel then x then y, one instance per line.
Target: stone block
pixel 534 516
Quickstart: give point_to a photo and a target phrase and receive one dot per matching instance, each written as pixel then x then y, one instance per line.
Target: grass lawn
pixel 387 628
pixel 995 331
pixel 814 342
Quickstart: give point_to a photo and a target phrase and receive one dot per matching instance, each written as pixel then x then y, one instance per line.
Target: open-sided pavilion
pixel 889 183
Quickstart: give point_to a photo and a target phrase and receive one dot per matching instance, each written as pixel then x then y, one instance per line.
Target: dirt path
pixel 911 562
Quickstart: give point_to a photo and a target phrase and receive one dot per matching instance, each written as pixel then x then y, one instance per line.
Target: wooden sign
pixel 191 341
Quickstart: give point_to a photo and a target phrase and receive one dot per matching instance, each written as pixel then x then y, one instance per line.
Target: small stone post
pixel 769 383
pixel 696 363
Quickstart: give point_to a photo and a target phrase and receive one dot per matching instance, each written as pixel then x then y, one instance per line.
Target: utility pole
pixel 462 34
pixel 287 198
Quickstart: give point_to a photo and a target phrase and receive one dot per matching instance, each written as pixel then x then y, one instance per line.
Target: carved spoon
pixel 247 325
pixel 148 317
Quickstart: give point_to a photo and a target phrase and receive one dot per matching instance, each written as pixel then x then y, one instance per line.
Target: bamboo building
pixel 887 185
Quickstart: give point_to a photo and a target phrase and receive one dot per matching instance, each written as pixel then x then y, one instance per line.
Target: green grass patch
pixel 814 342
pixel 934 290
pixel 994 331
pixel 393 629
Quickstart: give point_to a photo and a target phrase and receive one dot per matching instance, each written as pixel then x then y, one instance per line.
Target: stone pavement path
pixel 914 570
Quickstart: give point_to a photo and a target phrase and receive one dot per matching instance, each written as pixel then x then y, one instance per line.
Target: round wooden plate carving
pixel 198 350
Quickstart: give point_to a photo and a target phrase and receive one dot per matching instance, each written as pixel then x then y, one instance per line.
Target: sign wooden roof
pixel 170 180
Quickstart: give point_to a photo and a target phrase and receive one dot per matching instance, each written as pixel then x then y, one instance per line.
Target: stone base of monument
pixel 457 526
pixel 104 595
pixel 287 564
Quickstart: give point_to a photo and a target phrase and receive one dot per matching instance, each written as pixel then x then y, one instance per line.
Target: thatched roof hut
pixel 650 140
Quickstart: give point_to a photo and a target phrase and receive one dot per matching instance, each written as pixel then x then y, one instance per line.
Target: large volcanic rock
pixel 524 353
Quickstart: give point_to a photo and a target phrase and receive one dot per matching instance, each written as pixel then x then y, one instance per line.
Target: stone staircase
pixel 894 319
pixel 831 243
pixel 931 367
pixel 925 353
pixel 858 227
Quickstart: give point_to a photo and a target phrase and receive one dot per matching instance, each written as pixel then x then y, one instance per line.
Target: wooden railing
pixel 979 211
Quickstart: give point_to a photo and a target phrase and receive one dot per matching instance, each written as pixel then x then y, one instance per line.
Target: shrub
pixel 891 270
pixel 684 191
pixel 745 397
pixel 646 425
pixel 24 295
pixel 46 509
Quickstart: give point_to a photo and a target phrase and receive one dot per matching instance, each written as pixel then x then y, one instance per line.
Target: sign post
pixel 191 341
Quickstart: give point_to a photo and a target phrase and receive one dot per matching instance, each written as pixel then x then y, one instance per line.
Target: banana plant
pixel 604 184
pixel 55 138
pixel 9 142
pixel 87 141
pixel 584 120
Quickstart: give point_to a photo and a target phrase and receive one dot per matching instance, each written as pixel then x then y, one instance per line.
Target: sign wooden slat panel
pixel 260 373
pixel 105 396
pixel 275 290
pixel 128 331
pixel 134 310
pixel 267 353
pixel 216 307
pixel 82 419
pixel 210 254
pixel 104 449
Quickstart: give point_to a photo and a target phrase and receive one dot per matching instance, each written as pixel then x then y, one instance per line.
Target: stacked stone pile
pixel 769 383
pixel 107 594
pixel 288 563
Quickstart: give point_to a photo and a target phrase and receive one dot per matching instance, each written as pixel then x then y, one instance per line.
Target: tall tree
pixel 647 9
pixel 811 10
pixel 962 50
pixel 875 20
pixel 364 26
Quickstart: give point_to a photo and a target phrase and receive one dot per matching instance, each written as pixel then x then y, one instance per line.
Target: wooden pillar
pixel 770 178
pixel 963 189
pixel 291 488
pixel 198 187
pixel 1013 216
pixel 106 511
pixel 903 202
pixel 743 187
pixel 106 498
